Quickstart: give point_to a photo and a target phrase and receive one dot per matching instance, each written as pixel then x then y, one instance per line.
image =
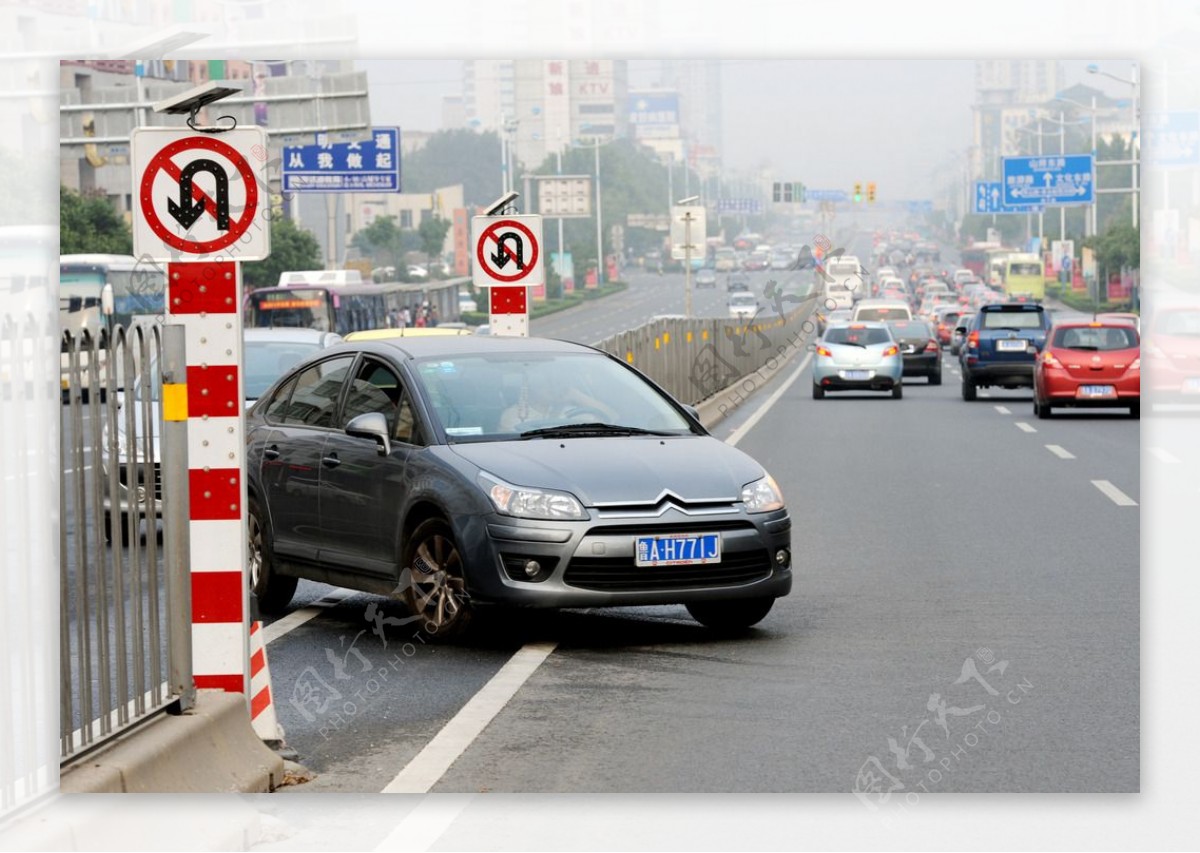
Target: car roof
pixel 858 324
pixel 287 334
pixel 432 346
pixel 406 332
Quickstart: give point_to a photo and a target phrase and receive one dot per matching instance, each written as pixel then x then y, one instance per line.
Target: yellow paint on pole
pixel 629 356
pixel 666 337
pixel 174 402
pixel 689 337
pixel 657 343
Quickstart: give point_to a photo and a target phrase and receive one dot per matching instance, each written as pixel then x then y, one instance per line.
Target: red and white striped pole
pixel 508 310
pixel 205 298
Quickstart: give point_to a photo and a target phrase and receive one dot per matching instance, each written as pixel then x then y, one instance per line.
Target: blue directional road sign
pixel 1172 140
pixel 1052 179
pixel 826 195
pixel 345 167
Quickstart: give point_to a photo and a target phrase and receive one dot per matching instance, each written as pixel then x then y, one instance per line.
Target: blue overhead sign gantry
pixel 1053 179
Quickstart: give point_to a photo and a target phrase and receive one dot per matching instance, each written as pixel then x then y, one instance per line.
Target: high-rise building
pixel 558 101
pixel 698 82
pixel 488 92
pixel 1008 93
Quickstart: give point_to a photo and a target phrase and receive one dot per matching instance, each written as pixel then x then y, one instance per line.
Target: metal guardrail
pixel 693 359
pixel 124 604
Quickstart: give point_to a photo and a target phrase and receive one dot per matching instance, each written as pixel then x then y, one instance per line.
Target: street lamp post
pixel 687 254
pixel 1133 143
pixel 599 221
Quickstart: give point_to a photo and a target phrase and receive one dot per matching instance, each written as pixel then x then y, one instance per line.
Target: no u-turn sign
pixel 200 196
pixel 508 251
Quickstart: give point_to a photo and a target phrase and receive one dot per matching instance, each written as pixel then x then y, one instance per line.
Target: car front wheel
pixel 433 584
pixel 733 615
pixel 818 392
pixel 273 591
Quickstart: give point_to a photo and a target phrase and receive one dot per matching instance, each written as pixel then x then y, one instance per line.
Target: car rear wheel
pixel 122 529
pixel 436 590
pixel 936 378
pixel 968 390
pixel 818 392
pixel 898 391
pixel 733 615
pixel 273 591
pixel 1135 410
pixel 1040 409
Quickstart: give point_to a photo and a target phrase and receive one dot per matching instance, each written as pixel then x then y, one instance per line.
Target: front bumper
pixel 591 563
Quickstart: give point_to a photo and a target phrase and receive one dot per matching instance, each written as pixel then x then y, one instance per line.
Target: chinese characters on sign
pixel 370 166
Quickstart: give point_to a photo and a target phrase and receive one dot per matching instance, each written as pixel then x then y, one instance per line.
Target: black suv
pixel 1001 346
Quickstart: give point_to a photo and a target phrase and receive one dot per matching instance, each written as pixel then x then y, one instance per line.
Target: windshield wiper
pixel 577 430
pixel 1009 329
pixel 851 344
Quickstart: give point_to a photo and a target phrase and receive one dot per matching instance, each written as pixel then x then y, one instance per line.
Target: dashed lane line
pixel 1004 410
pixel 1113 493
pixel 1060 452
pixel 1024 427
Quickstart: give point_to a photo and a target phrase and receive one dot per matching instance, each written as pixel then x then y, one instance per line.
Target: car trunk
pixel 1089 365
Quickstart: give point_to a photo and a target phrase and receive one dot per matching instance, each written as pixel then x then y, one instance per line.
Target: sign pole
pixel 508 260
pixel 687 264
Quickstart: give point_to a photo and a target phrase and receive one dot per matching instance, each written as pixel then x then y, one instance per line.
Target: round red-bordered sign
pixel 490 233
pixel 162 162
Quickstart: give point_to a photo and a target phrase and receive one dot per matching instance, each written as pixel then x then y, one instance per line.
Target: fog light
pixel 782 557
pixel 532 568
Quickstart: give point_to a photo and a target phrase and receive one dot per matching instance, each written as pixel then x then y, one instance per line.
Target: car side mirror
pixel 693 411
pixel 962 330
pixel 371 425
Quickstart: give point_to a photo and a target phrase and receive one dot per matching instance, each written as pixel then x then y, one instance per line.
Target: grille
pixel 619 574
pixel 650 528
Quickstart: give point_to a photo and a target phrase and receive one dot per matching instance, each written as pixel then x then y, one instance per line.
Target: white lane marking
pixel 432 762
pixel 1060 452
pixel 1002 410
pixel 1163 455
pixel 1024 427
pixel 297 618
pixel 740 432
pixel 425 824
pixel 1116 495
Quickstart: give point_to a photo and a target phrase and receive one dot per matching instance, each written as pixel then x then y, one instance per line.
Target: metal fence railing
pixel 123 597
pixel 693 359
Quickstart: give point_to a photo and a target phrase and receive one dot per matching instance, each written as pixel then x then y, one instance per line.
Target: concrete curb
pixel 209 749
pixel 716 408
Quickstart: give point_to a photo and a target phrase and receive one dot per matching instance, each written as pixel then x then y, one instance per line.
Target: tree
pixel 88 223
pixel 432 232
pixel 1117 248
pixel 452 157
pixel 292 248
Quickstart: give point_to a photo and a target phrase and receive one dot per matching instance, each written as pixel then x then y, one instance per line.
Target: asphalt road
pixel 965 618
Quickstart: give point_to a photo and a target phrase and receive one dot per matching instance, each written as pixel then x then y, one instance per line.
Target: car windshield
pixel 911 329
pixel 742 300
pixel 266 361
pixel 864 336
pixel 882 312
pixel 1095 339
pixel 1012 319
pixel 499 397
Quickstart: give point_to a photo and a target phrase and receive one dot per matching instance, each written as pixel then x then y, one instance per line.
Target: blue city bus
pixel 138 288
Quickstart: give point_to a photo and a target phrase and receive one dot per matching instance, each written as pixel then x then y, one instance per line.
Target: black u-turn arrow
pixel 187 210
pixel 503 255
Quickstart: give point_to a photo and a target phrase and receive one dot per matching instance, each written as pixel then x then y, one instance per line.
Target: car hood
pixel 620 470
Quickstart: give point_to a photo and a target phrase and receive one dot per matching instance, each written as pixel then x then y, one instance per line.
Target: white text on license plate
pixel 1011 346
pixel 678 550
pixel 856 374
pixel 1097 391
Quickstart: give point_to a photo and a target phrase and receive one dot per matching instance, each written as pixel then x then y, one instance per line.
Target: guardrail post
pixel 175 511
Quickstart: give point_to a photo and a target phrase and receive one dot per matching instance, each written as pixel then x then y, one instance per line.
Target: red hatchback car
pixel 1089 364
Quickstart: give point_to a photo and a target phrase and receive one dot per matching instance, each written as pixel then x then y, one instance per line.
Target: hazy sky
pixel 826 123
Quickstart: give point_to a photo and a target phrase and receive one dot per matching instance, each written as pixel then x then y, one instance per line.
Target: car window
pixel 851 335
pixel 1012 319
pixel 314 400
pixel 278 405
pixel 883 312
pixel 911 329
pixel 1096 340
pixel 374 388
pixel 266 361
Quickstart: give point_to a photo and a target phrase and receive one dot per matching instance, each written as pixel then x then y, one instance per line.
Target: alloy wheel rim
pixel 255 552
pixel 437 584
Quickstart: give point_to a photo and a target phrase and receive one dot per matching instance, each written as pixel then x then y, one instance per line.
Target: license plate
pixel 1192 385
pixel 856 374
pixel 1096 391
pixel 909 349
pixel 678 550
pixel 1010 346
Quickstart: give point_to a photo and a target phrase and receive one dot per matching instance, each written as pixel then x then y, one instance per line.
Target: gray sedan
pixel 456 472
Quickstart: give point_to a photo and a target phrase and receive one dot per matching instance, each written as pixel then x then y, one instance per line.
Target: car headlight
pixel 526 502
pixel 762 495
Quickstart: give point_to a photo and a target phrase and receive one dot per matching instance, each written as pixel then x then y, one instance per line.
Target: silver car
pixel 857 357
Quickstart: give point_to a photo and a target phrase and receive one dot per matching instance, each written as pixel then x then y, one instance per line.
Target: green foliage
pixel 385 244
pixel 88 223
pixel 432 232
pixel 452 157
pixel 1117 248
pixel 292 248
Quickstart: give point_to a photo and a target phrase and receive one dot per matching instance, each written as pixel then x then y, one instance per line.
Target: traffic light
pixel 871 192
pixel 775 192
pixel 857 191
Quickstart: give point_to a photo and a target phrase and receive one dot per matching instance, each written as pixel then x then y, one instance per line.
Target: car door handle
pixel 271 452
pixel 331 461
